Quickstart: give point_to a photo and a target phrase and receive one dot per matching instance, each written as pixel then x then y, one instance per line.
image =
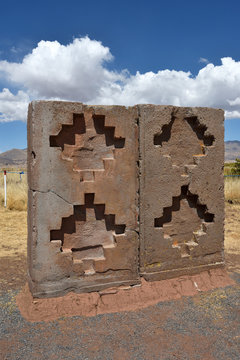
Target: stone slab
pixel 181 190
pixel 83 195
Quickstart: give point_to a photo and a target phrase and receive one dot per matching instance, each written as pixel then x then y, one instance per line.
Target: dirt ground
pixel 205 326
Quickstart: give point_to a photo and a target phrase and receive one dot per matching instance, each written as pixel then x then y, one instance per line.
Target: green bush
pixel 236 167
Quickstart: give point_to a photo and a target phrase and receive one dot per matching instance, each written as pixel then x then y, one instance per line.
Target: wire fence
pixel 5 172
pixel 14 172
pixel 231 175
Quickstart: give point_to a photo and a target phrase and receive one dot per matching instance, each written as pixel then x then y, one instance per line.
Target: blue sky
pixel 171 52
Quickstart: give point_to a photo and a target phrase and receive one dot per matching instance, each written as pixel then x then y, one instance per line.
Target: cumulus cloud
pixel 53 70
pixel 234 102
pixel 13 107
pixel 78 71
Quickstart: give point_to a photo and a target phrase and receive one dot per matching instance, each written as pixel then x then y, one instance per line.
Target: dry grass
pixel 232 228
pixel 232 236
pixel 232 185
pixel 16 191
pixel 232 189
pixel 13 232
pixel 13 249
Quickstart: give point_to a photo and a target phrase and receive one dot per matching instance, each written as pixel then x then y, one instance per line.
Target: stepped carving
pixel 185 221
pixel 88 144
pixel 184 135
pixel 86 234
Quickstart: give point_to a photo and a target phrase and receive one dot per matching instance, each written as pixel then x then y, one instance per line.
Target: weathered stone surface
pixel 97 173
pixel 83 197
pixel 181 190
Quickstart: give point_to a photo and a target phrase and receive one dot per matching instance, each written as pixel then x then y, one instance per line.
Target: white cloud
pixel 235 102
pixel 79 72
pixel 14 50
pixel 203 60
pixel 54 70
pixel 13 107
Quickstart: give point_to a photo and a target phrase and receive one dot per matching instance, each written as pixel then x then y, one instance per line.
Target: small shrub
pixel 228 168
pixel 236 167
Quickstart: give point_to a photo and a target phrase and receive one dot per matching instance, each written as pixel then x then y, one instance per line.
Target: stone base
pixel 119 299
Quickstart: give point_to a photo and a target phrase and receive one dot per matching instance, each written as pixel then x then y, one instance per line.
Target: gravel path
pixel 203 327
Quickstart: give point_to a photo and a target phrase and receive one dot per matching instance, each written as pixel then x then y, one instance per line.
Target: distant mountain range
pixel 18 158
pixel 232 150
pixel 14 158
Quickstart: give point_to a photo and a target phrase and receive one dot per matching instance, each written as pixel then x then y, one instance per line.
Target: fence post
pixel 5 188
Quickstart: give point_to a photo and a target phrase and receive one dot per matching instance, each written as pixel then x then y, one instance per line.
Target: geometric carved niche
pixel 89 230
pixel 88 149
pixel 184 223
pixel 86 234
pixel 185 138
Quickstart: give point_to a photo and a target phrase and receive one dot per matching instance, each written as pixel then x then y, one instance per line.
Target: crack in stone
pixel 50 191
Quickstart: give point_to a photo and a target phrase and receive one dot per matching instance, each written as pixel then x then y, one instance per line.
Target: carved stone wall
pixel 83 197
pixel 117 193
pixel 181 187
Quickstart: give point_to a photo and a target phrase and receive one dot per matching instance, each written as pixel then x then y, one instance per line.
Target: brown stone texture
pixel 117 193
pixel 181 190
pixel 83 194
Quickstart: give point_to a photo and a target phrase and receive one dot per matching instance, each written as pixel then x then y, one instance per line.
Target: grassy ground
pixel 13 248
pixel 232 189
pixel 16 191
pixel 232 238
